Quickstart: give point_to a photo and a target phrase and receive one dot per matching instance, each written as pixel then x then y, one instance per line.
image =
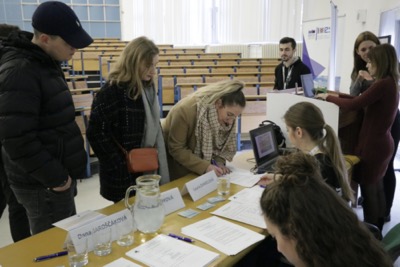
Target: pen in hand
pixel 186 239
pixel 50 256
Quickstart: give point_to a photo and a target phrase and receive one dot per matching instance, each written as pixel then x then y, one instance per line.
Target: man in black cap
pixel 42 147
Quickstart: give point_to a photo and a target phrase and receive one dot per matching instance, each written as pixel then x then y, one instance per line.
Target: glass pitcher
pixel 148 210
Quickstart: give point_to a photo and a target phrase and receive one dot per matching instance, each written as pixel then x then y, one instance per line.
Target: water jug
pixel 148 210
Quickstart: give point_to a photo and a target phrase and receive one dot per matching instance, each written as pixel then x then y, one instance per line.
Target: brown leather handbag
pixel 140 159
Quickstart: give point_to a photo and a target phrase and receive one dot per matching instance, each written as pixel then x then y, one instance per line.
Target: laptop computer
pixel 307 82
pixel 265 148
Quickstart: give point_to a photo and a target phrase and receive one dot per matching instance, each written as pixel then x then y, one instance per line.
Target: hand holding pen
pixel 219 170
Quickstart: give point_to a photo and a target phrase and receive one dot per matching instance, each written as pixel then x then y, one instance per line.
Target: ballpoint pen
pixel 50 256
pixel 186 239
pixel 213 162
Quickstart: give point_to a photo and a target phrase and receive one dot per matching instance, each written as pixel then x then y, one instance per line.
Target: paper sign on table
pixel 201 186
pixel 172 200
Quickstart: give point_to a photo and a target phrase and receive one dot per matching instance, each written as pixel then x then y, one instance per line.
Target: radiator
pixel 239 48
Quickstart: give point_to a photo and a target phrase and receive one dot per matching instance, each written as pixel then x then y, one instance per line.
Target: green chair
pixel 391 242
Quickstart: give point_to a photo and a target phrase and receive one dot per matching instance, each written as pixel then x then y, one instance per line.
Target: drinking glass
pixel 77 253
pixel 125 233
pixel 102 241
pixel 223 185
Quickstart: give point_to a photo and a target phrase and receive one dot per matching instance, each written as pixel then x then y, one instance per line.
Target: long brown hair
pixel 310 118
pixel 384 58
pixel 139 53
pixel 359 63
pixel 326 230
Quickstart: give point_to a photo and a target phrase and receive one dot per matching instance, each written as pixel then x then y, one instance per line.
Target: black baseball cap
pixel 56 18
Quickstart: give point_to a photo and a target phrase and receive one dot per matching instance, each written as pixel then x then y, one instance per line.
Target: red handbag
pixel 140 159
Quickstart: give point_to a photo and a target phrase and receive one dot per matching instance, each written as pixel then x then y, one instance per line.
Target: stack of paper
pixel 244 207
pixel 166 251
pixel 225 236
pixel 243 177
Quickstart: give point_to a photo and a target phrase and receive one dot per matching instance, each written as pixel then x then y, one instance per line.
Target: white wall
pixel 317 9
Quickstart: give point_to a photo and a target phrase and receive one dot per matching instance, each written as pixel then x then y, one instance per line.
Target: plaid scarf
pixel 212 138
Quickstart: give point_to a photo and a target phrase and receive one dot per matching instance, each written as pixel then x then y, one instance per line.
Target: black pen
pixel 186 239
pixel 50 256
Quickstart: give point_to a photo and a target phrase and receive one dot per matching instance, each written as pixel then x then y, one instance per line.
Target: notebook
pixel 266 150
pixel 307 82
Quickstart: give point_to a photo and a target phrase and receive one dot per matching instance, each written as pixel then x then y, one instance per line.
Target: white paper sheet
pixel 225 236
pixel 249 213
pixel 122 262
pixel 248 195
pixel 243 177
pixel 165 251
pixel 79 220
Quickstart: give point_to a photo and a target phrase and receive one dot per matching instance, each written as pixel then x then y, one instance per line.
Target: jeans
pixel 45 207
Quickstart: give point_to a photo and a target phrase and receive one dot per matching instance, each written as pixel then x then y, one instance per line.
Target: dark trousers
pixel 389 180
pixel 373 203
pixel 19 223
pixel 45 207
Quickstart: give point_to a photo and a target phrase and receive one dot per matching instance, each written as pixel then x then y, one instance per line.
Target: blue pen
pixel 262 186
pixel 50 256
pixel 213 162
pixel 186 239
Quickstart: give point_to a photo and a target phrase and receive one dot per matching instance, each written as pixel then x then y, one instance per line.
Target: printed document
pixel 249 213
pixel 243 177
pixel 225 236
pixel 167 251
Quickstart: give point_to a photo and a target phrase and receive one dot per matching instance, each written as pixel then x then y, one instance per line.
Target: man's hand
pixel 64 187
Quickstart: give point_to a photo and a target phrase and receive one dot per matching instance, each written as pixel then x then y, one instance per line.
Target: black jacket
pixel 296 69
pixel 41 142
pixel 115 116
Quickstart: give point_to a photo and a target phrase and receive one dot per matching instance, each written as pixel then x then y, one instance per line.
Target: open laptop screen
pixel 307 82
pixel 264 145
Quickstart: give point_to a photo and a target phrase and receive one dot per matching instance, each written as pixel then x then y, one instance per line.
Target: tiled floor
pixel 89 199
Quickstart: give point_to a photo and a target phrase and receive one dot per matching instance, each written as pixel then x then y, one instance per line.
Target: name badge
pixel 201 186
pixel 172 200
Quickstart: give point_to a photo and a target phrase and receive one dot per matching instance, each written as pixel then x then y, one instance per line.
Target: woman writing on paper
pixel 199 131
pixel 308 132
pixel 361 80
pixel 126 111
pixel 375 144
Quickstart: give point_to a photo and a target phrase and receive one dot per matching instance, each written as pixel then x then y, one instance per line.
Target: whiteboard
pixel 278 104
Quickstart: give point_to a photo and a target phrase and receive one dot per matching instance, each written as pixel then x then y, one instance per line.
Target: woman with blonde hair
pixel 311 224
pixel 199 130
pixel 125 112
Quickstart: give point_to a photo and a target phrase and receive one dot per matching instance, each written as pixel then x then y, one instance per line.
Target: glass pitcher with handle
pixel 148 210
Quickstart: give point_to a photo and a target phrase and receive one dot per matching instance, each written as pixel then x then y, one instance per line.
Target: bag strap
pixel 119 145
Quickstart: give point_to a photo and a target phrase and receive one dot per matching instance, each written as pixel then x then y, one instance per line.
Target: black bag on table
pixel 280 138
